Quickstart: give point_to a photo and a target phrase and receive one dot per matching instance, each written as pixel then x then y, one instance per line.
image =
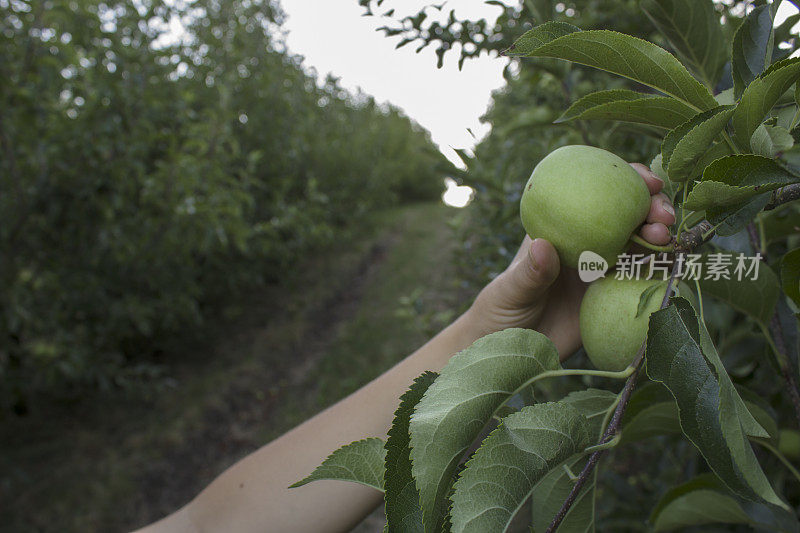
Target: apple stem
pixel 604 446
pixel 643 243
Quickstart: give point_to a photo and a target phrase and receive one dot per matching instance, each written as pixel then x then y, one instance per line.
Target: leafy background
pixel 149 187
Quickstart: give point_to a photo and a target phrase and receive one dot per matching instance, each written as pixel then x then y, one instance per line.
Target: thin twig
pixel 686 242
pixel 616 419
pixel 778 342
pixel 783 195
pixel 788 373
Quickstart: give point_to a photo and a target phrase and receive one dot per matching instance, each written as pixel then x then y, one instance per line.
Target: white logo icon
pixel 591 266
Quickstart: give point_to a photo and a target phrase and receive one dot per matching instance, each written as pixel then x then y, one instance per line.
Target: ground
pixel 346 315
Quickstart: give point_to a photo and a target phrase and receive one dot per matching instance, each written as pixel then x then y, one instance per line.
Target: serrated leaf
pixel 591 403
pixel 621 54
pixel 759 97
pixel 695 142
pixel 769 140
pixel 550 493
pixel 552 490
pixel 629 106
pixel 754 297
pixel 511 461
pixel 732 219
pixel 675 136
pixel 716 151
pixel 790 275
pixel 712 414
pixel 752 48
pixel 473 384
pixel 359 462
pixel 693 29
pixel 725 97
pixel 403 513
pixel 703 500
pixel 735 179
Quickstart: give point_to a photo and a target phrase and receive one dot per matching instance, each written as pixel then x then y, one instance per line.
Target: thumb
pixel 535 271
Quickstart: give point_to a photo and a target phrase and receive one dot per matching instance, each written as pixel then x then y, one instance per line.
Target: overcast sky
pixel 334 37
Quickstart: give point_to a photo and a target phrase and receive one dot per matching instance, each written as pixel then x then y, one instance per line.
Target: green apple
pixel 584 198
pixel 612 333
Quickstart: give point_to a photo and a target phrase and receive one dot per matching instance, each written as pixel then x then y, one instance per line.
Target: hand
pixel 536 292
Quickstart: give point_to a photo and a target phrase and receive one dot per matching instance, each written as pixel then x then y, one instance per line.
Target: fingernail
pixel 534 263
pixel 654 175
pixel 668 208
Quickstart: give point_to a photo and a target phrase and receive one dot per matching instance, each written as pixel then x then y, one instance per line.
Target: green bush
pixel 146 175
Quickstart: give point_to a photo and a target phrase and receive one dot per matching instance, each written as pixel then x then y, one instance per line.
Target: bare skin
pixel 252 496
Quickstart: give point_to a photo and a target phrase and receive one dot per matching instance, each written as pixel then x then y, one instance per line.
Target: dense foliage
pixel 700 438
pixel 158 157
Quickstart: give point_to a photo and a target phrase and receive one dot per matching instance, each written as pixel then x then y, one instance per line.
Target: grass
pixel 108 463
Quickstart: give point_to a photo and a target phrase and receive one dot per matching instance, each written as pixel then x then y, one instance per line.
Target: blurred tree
pixel 157 157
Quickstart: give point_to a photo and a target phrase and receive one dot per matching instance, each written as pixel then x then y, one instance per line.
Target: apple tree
pixel 489 442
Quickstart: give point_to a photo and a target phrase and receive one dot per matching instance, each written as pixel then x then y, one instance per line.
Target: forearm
pixel 252 495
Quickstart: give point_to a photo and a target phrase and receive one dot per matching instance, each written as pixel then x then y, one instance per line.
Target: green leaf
pixel 695 142
pixel 591 403
pixel 617 53
pixel 552 490
pixel 734 179
pixel 461 401
pixel 647 294
pixel 769 140
pixel 672 138
pixel 754 297
pixel 360 462
pixel 629 106
pixel 752 48
pixel 759 97
pixel 703 500
pixel 781 223
pixel 783 32
pixel 657 419
pixel 712 414
pixel 403 512
pixel 511 461
pixel 725 97
pixel 790 275
pixel 653 412
pixel 693 29
pixel 550 493
pixel 730 220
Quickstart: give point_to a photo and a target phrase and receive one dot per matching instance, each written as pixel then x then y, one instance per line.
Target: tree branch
pixel 704 231
pixel 616 419
pixel 783 195
pixel 776 331
pixel 686 242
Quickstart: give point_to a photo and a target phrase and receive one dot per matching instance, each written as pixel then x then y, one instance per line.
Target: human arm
pixel 252 495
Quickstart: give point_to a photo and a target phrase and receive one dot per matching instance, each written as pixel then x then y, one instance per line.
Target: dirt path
pixel 113 463
pixel 230 429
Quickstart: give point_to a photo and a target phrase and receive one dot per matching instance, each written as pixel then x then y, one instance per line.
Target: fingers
pixel 661 214
pixel 653 182
pixel 535 271
pixel 523 249
pixel 657 234
pixel 661 210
